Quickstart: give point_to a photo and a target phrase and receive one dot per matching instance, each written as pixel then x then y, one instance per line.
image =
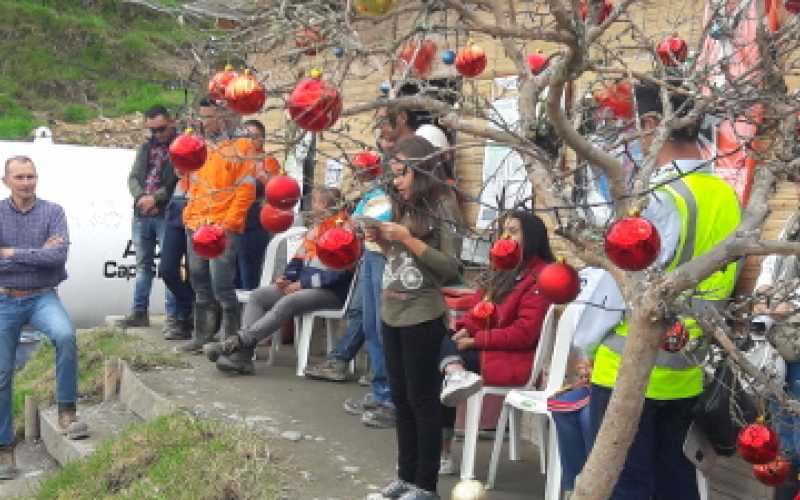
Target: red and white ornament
pixel 773 473
pixel 339 248
pixel 537 62
pixel 632 243
pixel 315 104
pixel 245 95
pixel 274 219
pixel 757 443
pixel 420 60
pixel 219 82
pixel 605 10
pixel 367 163
pixel 676 338
pixel 282 192
pixel 673 50
pixel 559 282
pixel 209 241
pixel 506 254
pixel 471 60
pixel 617 97
pixel 188 152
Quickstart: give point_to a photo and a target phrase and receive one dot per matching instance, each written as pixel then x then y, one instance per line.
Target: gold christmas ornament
pixel 469 489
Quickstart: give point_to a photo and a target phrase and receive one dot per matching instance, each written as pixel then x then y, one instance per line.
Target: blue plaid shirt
pixel 32 266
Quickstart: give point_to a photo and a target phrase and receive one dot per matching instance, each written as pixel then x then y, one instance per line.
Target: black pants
pixel 412 355
pixel 471 361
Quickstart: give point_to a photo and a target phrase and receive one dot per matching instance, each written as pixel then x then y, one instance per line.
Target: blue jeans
pixel 656 468
pixel 44 312
pixel 147 232
pixel 349 345
pixel 574 430
pixel 213 279
pixel 173 249
pixel 371 284
pixel 250 259
pixel 786 424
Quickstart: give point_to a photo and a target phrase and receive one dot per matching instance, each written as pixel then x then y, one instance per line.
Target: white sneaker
pixel 458 386
pixel 447 467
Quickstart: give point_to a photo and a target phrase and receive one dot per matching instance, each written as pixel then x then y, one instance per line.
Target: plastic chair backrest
pixel 563 342
pixel 353 283
pixel 271 258
pixel 544 347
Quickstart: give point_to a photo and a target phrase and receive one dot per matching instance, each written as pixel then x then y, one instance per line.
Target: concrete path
pixel 34 465
pixel 326 453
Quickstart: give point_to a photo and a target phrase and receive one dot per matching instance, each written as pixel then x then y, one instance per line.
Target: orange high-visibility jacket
pixel 223 189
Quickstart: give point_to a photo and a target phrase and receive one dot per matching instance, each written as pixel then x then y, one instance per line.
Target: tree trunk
pixel 621 421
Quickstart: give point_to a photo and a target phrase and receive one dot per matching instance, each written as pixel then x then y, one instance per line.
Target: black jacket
pixel 138 175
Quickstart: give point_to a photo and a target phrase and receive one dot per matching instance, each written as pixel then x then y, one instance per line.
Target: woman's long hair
pixel 427 190
pixel 536 243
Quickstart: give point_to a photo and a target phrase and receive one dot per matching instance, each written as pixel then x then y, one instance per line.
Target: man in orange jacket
pixel 220 193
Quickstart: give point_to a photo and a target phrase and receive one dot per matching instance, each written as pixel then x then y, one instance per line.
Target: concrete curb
pixel 63 450
pixel 140 399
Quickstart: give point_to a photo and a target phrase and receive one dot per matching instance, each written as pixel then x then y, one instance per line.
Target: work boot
pixel 334 370
pixel 234 356
pixel 186 326
pixel 173 330
pixel 8 466
pixel 204 326
pixel 788 489
pixel 231 322
pixel 136 319
pixel 68 422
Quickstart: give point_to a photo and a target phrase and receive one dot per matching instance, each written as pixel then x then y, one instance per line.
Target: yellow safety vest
pixel 709 211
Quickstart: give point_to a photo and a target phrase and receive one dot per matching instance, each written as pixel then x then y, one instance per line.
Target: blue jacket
pixel 311 276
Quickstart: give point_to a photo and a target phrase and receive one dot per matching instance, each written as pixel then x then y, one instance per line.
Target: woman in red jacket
pixel 499 348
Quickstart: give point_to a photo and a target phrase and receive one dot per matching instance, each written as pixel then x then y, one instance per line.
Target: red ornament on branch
pixel 773 473
pixel 471 60
pixel 605 11
pixel 758 443
pixel 282 192
pixel 339 248
pixel 559 282
pixel 618 97
pixel 673 50
pixel 506 254
pixel 219 82
pixel 676 338
pixel 274 219
pixel 188 152
pixel 209 241
pixel 245 94
pixel 483 310
pixel 315 104
pixel 538 62
pixel 632 243
pixel 367 162
pixel 420 60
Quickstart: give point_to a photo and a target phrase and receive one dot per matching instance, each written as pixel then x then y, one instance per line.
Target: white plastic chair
pixel 305 326
pixel 270 268
pixel 475 403
pixel 533 401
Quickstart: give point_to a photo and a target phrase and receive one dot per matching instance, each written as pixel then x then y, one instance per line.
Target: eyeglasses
pixel 158 130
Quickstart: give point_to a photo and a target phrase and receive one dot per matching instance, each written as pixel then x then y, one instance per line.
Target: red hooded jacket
pixel 507 347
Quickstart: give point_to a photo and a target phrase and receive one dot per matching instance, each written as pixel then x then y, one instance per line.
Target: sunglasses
pixel 158 130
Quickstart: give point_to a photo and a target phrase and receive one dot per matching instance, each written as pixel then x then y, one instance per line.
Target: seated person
pixel 306 285
pixel 501 349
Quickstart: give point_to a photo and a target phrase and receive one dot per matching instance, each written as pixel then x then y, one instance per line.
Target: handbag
pixel 721 409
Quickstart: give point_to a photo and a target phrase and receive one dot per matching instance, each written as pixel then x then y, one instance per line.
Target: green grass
pixel 37 378
pixel 73 60
pixel 176 457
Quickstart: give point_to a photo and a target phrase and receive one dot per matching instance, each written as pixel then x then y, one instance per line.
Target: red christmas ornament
pixel 506 254
pixel 420 60
pixel 538 62
pixel 309 39
pixel 315 104
pixel 673 50
pixel 188 152
pixel 604 12
pixel 676 338
pixel 793 6
pixel 632 243
pixel 772 473
pixel 484 309
pixel 757 443
pixel 471 60
pixel 617 97
pixel 369 163
pixel 338 248
pixel 219 82
pixel 274 219
pixel 559 282
pixel 209 241
pixel 245 95
pixel 282 192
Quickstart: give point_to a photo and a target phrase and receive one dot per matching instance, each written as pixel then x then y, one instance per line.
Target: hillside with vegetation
pixel 75 60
